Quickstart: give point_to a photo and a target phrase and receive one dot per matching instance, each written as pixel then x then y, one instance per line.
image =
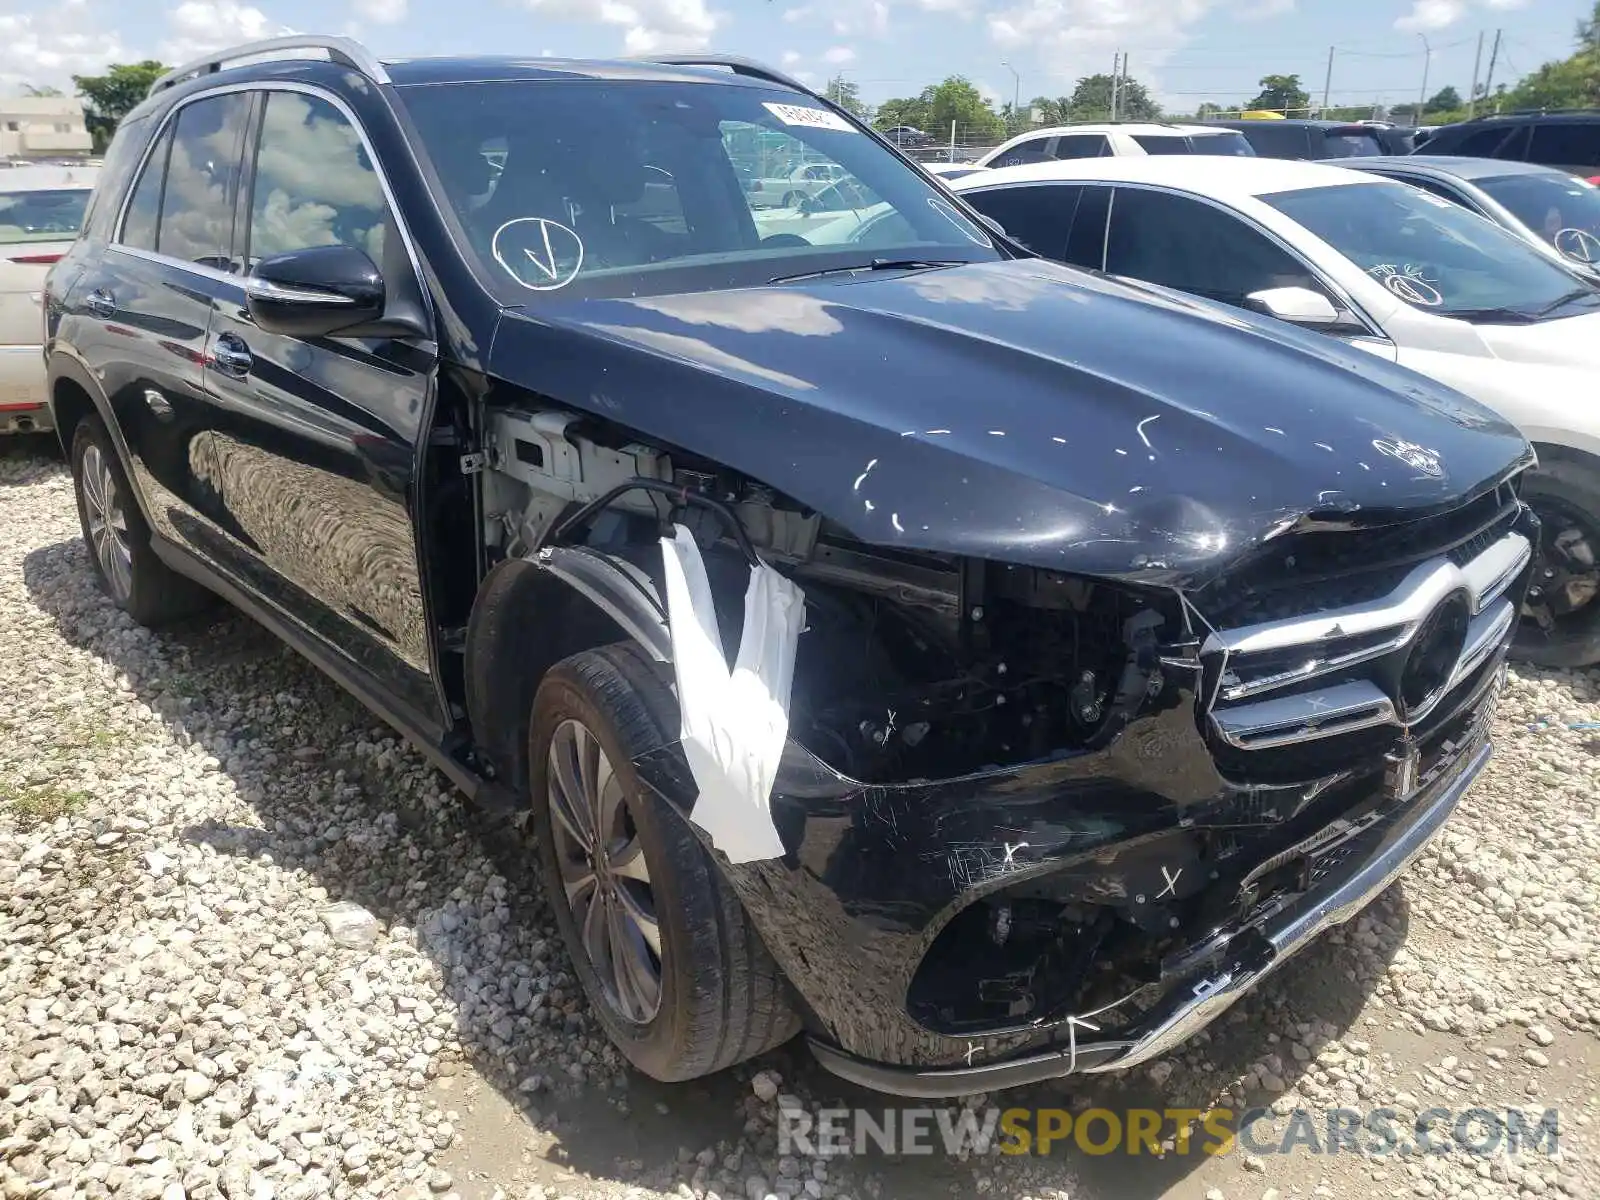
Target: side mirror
pixel 314 292
pixel 1298 306
pixel 807 206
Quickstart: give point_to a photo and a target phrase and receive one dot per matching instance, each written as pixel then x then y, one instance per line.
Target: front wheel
pixel 675 973
pixel 1561 620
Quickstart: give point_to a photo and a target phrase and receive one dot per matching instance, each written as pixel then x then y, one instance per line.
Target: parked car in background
pixel 1133 138
pixel 1035 547
pixel 1395 139
pixel 951 170
pixel 1550 208
pixel 1296 138
pixel 907 136
pixel 1568 140
pixel 41 212
pixel 789 189
pixel 1392 269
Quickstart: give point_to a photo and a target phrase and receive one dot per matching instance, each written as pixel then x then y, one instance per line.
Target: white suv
pixel 1116 140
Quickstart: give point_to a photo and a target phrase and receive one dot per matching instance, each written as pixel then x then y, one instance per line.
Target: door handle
pixel 100 303
pixel 231 355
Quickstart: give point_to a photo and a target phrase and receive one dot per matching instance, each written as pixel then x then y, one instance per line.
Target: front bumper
pixel 1391 849
pixel 24 396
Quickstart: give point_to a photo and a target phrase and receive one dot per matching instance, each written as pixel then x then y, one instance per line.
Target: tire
pixel 1566 496
pixel 114 530
pixel 792 199
pixel 721 998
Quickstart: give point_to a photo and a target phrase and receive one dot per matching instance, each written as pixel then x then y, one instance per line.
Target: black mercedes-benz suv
pixel 1141 639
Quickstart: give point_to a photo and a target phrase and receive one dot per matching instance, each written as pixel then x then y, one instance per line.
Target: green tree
pixel 1281 93
pixel 956 99
pixel 1589 31
pixel 1091 100
pixel 1208 111
pixel 1446 99
pixel 847 95
pixel 1570 83
pixel 911 111
pixel 110 97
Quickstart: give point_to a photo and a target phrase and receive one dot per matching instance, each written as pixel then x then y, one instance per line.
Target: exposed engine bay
pixel 911 665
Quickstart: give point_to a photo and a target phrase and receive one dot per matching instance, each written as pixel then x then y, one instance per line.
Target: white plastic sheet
pixel 734 723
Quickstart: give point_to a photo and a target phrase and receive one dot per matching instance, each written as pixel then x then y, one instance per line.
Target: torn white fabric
pixel 734 723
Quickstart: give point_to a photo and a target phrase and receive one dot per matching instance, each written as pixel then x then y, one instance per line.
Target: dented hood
pixel 1019 411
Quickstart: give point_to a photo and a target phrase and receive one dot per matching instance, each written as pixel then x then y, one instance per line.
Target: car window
pixel 1273 139
pixel 314 184
pixel 1443 190
pixel 1430 253
pixel 1038 216
pixel 196 222
pixel 46 215
pixel 1183 243
pixel 1480 143
pixel 1162 143
pixel 649 188
pixel 1082 145
pixel 144 206
pixel 1566 144
pixel 122 159
pixel 1231 144
pixel 1086 244
pixel 1562 209
pixel 1349 143
pixel 1031 151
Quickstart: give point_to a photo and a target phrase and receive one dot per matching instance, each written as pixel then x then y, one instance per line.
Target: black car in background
pixel 1568 139
pixel 1141 641
pixel 1308 139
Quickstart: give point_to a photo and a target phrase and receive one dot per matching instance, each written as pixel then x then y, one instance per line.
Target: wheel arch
pixel 74 395
pixel 530 614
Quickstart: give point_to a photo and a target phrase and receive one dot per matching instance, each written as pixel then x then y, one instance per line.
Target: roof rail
pixel 1532 112
pixel 736 63
pixel 343 50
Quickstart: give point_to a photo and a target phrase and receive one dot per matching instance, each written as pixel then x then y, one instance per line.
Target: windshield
pixel 607 190
pixel 43 216
pixel 1560 208
pixel 1429 252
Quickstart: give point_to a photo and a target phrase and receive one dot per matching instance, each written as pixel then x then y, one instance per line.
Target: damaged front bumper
pixel 1253 954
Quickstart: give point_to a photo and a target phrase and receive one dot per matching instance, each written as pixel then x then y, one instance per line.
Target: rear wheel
pixel 126 566
pixel 674 971
pixel 1561 621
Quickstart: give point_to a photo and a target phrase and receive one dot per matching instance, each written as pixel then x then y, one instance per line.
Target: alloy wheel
pixel 604 873
pixel 107 523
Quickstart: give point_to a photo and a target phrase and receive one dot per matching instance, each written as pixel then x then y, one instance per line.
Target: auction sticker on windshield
pixel 809 118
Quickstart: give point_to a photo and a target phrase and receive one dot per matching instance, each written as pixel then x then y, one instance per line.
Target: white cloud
pixel 201 26
pixel 838 55
pixel 1263 9
pixel 54 43
pixel 790 57
pixel 1427 15
pixel 648 25
pixel 384 12
pixel 1078 37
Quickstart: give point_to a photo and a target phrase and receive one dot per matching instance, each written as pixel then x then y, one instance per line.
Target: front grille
pixel 1327 683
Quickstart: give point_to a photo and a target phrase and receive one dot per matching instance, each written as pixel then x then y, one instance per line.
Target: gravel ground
pixel 252 946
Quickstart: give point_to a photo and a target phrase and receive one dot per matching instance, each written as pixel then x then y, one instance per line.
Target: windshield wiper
pixel 1581 293
pixel 1493 316
pixel 877 264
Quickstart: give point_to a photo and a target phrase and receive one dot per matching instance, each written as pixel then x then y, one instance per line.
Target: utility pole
pixel 1327 84
pixel 1427 61
pixel 1122 92
pixel 1016 93
pixel 1116 78
pixel 1472 96
pixel 1488 80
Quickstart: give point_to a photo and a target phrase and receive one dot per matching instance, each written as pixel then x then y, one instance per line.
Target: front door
pixel 315 439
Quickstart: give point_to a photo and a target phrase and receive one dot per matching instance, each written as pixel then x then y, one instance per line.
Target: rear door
pixel 315 440
pixel 140 311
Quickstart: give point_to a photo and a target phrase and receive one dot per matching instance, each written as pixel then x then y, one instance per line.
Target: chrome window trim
pixel 114 241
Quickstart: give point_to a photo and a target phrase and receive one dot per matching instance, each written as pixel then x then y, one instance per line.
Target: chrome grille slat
pixel 1252 712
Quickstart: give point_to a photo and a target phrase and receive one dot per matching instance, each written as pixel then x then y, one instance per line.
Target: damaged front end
pixel 1036 823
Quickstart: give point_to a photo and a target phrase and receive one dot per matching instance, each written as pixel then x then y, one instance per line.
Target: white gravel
pixel 251 946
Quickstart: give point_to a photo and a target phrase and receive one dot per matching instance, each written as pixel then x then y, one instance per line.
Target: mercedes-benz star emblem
pixel 1419 458
pixel 1435 650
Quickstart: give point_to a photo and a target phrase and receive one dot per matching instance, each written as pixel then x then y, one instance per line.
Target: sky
pixel 1186 51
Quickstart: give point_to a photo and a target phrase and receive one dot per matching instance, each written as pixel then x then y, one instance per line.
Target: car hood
pixel 1019 411
pixel 1569 342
